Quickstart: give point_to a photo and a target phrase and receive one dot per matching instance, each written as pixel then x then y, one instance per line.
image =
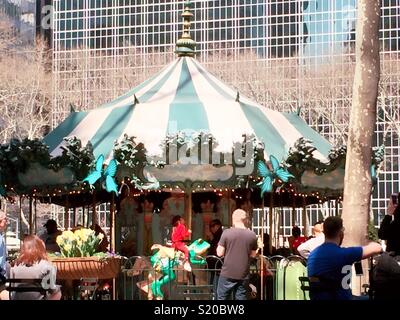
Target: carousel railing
pixel 278 278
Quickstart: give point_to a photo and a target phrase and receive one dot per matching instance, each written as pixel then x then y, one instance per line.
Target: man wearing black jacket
pixel 390 228
pixel 213 263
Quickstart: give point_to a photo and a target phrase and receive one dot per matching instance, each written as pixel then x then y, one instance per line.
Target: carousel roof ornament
pixel 185 46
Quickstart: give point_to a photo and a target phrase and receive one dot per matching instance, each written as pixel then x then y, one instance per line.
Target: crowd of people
pixel 328 263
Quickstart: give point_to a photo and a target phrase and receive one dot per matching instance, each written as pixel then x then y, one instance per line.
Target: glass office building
pixel 286 54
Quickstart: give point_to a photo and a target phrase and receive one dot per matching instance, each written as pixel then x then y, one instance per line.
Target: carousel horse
pixel 165 259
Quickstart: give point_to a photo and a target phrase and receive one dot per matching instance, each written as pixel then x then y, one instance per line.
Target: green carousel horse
pixel 165 259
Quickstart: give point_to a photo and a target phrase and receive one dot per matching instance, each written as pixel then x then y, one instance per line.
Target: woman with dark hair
pixel 390 227
pixel 103 245
pixel 296 239
pixel 33 263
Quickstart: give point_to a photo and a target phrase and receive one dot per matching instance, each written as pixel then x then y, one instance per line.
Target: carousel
pixel 182 142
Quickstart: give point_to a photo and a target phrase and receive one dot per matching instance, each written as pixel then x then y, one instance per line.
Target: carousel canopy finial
pixel 185 46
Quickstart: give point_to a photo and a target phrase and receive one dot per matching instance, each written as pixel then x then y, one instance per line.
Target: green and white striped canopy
pixel 185 97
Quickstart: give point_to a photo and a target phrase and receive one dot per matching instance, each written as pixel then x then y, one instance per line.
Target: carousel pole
pixel 262 250
pixel 66 214
pixel 229 207
pixel 112 224
pixel 88 216
pixel 329 207
pixel 30 216
pixel 305 220
pixel 277 218
pixel 112 237
pixel 188 207
pixel 35 209
pixel 20 218
pixel 336 207
pixel 271 229
pixel 74 216
pixel 83 215
pixel 282 216
pixel 294 211
pixel 94 211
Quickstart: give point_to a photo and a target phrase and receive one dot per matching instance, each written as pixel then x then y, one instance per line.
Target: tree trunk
pixel 358 183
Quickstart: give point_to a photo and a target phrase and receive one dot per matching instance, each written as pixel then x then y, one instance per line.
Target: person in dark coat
pixel 216 232
pixel 390 227
pixel 214 264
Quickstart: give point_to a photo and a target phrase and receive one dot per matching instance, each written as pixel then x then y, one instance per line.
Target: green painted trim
pixel 56 136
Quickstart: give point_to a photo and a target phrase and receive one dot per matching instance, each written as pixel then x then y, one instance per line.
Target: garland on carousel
pixel 26 167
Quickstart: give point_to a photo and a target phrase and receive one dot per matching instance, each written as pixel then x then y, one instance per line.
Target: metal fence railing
pixel 276 279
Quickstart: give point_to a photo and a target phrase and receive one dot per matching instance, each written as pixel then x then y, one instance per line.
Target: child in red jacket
pixel 179 234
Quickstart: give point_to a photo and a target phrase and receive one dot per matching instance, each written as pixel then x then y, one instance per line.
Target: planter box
pixel 87 267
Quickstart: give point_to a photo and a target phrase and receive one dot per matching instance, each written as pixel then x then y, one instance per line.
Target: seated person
pixel 266 248
pixel 296 239
pixel 390 227
pixel 33 263
pixel 103 245
pixel 318 238
pixel 49 237
pixel 330 263
pixel 214 236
